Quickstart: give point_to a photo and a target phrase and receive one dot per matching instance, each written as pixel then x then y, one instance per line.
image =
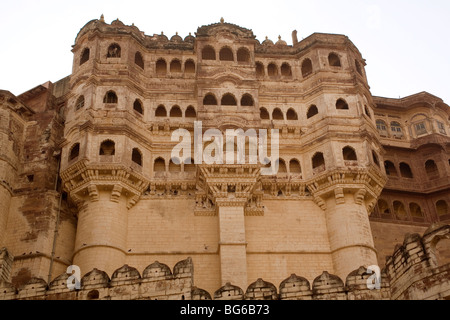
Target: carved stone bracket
pixel 83 181
pixel 229 185
pixel 365 184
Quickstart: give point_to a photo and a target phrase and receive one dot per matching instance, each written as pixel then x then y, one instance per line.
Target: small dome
pixel 162 37
pixel 176 38
pixel 189 38
pixel 117 23
pixel 281 42
pixel 267 42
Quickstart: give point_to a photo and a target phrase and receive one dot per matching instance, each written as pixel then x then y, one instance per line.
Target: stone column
pixel 347 196
pixel 104 194
pixel 101 232
pixel 233 246
pixel 349 233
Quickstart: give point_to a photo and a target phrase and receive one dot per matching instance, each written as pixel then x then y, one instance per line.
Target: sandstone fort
pixel 88 178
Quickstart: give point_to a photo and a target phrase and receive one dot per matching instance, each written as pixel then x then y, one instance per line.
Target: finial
pixel 267 38
pixel 162 33
pixel 176 33
pixel 222 20
pixel 102 18
pixel 190 34
pixel 279 37
pixel 132 24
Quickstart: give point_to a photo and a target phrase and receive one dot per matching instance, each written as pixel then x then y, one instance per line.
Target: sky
pixel 406 43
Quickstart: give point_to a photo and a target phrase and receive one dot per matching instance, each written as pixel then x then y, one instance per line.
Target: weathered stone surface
pixel 87 176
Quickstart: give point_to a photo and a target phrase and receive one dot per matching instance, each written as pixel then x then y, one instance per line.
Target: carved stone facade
pixel 88 178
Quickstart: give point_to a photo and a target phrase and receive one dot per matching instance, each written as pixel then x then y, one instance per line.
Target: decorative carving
pixel 339 195
pixel 360 195
pixel 93 192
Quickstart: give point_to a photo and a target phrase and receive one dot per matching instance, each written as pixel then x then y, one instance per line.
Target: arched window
pixel 210 100
pixel 358 67
pixel 208 53
pixel 318 162
pixel 85 56
pixel 399 210
pixel 161 112
pixel 405 171
pixel 349 154
pixel 161 67
pixel 108 148
pixel 226 54
pixel 260 70
pixel 175 165
pixel 176 112
pixel 334 60
pixel 272 70
pixel 341 104
pixel 159 165
pixel 175 66
pixel 383 207
pixel 137 106
pixel 189 66
pixel 431 169
pixel 264 115
pixel 136 156
pixel 307 68
pixel 138 60
pixel 110 97
pixel 294 167
pixel 442 208
pixel 74 152
pixel 291 115
pixel 282 166
pixel 114 51
pixel 243 55
pixel 228 100
pixel 382 127
pixel 286 70
pixel 190 112
pixel 277 114
pixel 247 100
pixel 415 210
pixel 375 159
pixel 312 111
pixel 396 129
pixel 390 169
pixel 80 103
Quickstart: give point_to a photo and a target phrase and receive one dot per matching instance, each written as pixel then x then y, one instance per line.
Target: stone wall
pixel 412 273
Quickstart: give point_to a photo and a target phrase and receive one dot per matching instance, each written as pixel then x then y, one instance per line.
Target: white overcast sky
pixel 406 43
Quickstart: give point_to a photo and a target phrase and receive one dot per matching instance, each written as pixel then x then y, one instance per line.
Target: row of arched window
pixel 291 114
pixel 175 66
pixel 225 54
pixel 430 167
pixel 110 98
pixel 395 127
pixel 114 51
pixel 398 209
pixel 161 111
pixel 175 112
pixel 228 99
pixel 107 148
